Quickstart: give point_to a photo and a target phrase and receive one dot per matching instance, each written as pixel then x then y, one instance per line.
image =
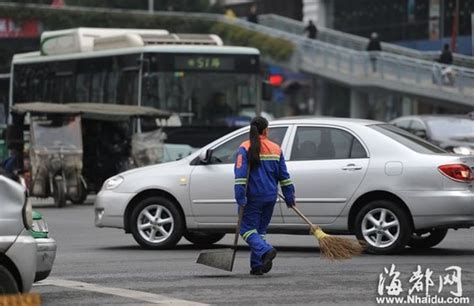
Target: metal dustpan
pixel 222 259
pixel 219 259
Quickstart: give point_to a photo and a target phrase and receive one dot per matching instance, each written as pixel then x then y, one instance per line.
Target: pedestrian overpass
pixel 355 42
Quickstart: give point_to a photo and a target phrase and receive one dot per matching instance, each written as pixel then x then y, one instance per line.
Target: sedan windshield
pixel 445 128
pixel 407 139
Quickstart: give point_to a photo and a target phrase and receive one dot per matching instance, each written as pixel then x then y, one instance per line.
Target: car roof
pixel 432 116
pixel 324 120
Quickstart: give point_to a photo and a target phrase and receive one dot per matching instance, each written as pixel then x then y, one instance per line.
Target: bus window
pixel 83 86
pixel 127 89
pixel 200 98
pixel 62 88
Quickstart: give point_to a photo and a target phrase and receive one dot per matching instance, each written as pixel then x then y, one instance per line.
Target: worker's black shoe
pixel 267 260
pixel 267 268
pixel 256 271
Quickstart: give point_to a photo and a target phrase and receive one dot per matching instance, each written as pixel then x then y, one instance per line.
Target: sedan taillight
pixel 457 172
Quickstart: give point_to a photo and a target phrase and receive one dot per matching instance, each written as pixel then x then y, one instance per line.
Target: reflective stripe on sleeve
pixel 285 182
pixel 240 181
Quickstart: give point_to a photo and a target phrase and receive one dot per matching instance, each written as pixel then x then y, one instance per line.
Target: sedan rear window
pixel 407 139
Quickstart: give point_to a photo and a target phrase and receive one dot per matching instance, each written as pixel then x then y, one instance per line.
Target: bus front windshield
pixel 202 98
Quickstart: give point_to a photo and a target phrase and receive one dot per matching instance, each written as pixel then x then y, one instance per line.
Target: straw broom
pixel 332 247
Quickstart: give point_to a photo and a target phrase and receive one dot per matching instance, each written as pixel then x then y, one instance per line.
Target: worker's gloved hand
pixel 290 205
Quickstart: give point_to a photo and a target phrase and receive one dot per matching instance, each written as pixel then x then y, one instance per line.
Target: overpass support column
pixel 318 96
pixel 359 104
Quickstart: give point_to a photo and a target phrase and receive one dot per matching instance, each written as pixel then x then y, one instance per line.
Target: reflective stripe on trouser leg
pixel 248 233
pixel 258 247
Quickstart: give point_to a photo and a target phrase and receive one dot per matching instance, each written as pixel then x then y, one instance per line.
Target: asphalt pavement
pixel 106 267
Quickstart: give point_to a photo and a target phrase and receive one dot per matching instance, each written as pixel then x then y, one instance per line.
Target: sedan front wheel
pixel 156 223
pixel 202 238
pixel 384 226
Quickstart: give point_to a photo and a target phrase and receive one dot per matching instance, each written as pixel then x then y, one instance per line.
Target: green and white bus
pixel 204 83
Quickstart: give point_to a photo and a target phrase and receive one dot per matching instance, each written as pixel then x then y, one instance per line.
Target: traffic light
pixel 275 80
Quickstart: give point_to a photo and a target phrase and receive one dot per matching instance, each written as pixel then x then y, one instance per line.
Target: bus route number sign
pixel 204 63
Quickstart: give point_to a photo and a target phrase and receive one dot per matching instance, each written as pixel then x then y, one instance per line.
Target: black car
pixel 454 133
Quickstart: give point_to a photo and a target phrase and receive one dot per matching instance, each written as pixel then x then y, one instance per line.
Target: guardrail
pixel 353 41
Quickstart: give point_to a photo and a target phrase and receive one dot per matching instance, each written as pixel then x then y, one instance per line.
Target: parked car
pixel 46 247
pixel 17 246
pixel 381 183
pixel 452 133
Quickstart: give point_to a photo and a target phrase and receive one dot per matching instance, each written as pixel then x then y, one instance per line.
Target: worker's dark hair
pixel 446 47
pixel 257 126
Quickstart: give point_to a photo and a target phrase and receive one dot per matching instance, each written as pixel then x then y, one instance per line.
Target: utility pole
pixel 151 6
pixel 455 29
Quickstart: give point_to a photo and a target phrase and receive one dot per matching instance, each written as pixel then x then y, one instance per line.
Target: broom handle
pixel 298 212
pixel 302 216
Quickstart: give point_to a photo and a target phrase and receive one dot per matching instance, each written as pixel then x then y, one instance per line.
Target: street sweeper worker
pixel 259 167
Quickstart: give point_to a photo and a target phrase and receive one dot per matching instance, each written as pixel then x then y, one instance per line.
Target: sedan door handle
pixel 351 167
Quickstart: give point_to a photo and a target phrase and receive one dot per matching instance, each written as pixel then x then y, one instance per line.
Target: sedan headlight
pixel 463 150
pixel 113 182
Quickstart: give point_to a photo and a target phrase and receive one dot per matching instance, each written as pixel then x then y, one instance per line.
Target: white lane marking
pixel 132 294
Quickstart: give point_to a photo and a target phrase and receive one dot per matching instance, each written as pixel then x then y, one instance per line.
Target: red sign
pixel 25 29
pixel 57 3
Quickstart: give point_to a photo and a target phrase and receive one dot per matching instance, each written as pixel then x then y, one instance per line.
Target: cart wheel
pixel 81 196
pixel 59 193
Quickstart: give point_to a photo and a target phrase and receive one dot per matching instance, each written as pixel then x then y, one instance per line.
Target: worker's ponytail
pixel 257 126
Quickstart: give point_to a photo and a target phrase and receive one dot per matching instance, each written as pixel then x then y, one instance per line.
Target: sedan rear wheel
pixel 156 223
pixel 384 226
pixel 428 239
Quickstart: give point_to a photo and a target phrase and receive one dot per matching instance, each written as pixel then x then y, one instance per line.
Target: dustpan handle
pixel 241 211
pixel 237 229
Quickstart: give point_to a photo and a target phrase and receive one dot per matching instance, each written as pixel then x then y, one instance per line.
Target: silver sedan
pixel 386 186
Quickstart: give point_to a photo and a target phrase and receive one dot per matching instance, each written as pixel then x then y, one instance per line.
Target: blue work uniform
pixel 259 194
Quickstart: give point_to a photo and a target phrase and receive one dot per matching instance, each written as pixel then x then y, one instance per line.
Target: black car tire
pixel 39 276
pixel 59 194
pixel 8 283
pixel 170 211
pixel 428 239
pixel 202 238
pixel 81 196
pixel 404 226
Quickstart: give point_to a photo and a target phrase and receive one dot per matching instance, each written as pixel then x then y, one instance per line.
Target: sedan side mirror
pixel 205 156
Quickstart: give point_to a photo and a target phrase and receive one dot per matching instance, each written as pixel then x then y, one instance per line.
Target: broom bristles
pixel 337 248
